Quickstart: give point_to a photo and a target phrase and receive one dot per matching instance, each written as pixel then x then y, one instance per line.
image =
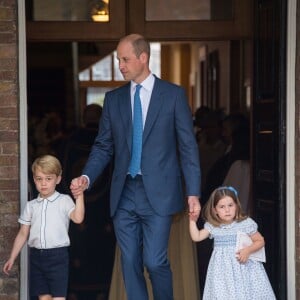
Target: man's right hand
pixel 78 185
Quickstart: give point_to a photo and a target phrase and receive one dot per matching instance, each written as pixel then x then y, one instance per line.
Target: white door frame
pixel 290 150
pixel 23 138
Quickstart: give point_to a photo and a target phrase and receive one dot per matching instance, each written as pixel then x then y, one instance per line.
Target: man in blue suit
pixel 142 205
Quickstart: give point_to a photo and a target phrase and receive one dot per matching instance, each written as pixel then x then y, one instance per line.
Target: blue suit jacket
pixel 169 147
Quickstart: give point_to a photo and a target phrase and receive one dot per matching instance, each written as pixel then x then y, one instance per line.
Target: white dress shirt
pixel 145 95
pixel 49 221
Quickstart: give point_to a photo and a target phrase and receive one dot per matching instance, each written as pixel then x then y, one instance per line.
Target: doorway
pixel 282 188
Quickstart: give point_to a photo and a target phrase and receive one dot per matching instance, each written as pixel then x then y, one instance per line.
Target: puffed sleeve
pixel 209 228
pixel 250 226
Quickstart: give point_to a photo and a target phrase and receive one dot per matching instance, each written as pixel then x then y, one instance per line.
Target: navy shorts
pixel 49 271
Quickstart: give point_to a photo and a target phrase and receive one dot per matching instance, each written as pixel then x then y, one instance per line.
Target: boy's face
pixel 45 183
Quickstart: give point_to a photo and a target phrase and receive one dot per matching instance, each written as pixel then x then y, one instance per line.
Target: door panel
pixel 269 136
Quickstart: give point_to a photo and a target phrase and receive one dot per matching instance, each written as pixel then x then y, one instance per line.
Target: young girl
pixel 44 224
pixel 231 275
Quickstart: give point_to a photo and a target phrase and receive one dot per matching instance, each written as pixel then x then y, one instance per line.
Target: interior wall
pixel 234 74
pixel 200 52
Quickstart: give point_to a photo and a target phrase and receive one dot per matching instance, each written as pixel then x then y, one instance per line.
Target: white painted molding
pixel 290 150
pixel 23 138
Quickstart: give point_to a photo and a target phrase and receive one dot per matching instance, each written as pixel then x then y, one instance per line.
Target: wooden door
pixel 269 136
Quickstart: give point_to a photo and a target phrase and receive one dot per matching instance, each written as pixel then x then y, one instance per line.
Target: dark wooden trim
pixel 129 17
pixel 80 30
pixel 241 27
pixel 112 84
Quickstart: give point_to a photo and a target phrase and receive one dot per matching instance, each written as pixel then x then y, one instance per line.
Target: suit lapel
pixel 124 104
pixel 154 108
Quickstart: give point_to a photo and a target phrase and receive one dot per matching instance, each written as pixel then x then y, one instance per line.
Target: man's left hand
pixel 194 207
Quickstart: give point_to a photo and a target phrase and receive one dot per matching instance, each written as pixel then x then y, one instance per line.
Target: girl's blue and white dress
pixel 226 278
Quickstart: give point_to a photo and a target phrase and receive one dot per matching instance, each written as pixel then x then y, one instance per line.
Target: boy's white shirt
pixel 49 221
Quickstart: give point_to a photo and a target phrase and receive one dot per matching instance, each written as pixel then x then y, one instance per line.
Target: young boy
pixel 45 222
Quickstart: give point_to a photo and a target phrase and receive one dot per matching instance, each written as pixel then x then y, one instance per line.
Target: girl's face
pixel 226 210
pixel 45 183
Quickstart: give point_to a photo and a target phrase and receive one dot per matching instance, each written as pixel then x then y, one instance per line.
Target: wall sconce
pixel 100 11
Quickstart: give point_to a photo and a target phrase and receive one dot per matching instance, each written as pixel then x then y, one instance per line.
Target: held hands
pixel 194 208
pixel 78 186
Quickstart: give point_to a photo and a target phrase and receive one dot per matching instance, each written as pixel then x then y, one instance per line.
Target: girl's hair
pixel 209 214
pixel 48 164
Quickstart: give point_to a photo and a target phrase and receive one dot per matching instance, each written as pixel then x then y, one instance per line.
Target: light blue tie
pixel 137 137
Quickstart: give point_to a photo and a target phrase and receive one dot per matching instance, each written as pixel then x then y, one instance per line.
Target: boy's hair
pixel 48 164
pixel 209 214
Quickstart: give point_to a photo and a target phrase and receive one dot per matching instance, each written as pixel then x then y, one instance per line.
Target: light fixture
pixel 100 11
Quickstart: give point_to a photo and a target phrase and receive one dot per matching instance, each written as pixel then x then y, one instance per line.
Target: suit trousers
pixel 143 238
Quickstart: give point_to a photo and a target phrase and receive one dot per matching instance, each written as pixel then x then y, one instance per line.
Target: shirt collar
pixel 147 84
pixel 52 198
